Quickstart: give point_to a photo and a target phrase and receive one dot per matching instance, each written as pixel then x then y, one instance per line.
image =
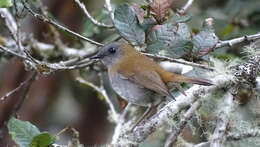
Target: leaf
pixel 22 132
pixel 160 8
pixel 170 40
pixel 139 12
pixel 205 40
pixel 42 140
pixel 179 18
pixel 127 24
pixel 6 3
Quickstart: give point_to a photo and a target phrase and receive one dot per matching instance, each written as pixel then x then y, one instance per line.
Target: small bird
pixel 137 78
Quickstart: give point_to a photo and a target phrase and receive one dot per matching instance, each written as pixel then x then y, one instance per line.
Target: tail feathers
pixel 204 82
pixel 180 79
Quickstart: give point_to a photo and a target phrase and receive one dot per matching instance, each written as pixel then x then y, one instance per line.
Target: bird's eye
pixel 112 50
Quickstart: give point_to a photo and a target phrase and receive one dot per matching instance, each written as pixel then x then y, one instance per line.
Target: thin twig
pixel 92 19
pixel 232 42
pixel 179 61
pixel 218 136
pixel 184 120
pixel 24 83
pixel 48 20
pixel 42 67
pixel 109 9
pixel 12 52
pixel 9 20
pixel 26 86
pixel 186 7
pixel 74 142
pixel 102 91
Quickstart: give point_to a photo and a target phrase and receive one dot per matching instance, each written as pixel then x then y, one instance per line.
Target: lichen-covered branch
pixel 184 120
pixel 121 123
pixel 218 137
pixel 243 135
pixel 232 42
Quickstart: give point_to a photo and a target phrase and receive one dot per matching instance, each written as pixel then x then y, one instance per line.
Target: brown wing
pixel 147 79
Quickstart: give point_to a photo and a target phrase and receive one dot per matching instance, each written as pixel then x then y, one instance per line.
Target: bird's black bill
pixel 95 57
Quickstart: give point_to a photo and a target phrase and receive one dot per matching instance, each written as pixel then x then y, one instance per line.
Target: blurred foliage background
pixel 57 100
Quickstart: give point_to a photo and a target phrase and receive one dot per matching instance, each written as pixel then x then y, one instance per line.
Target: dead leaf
pixel 160 8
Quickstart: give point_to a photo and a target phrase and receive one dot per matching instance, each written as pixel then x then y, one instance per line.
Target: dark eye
pixel 112 50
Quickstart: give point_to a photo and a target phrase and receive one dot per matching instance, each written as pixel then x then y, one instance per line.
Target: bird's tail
pixel 180 79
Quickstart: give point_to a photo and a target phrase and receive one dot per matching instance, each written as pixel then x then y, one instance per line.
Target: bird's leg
pixel 178 86
pixel 145 114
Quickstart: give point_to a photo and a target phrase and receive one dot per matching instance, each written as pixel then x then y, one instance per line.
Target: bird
pixel 137 78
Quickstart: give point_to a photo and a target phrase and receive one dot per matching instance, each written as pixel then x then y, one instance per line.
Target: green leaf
pixel 42 140
pixel 127 24
pixel 170 40
pixel 205 40
pixel 179 18
pixel 22 132
pixel 6 3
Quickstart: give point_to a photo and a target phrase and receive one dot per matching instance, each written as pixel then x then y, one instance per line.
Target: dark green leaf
pixel 127 24
pixel 22 132
pixel 5 3
pixel 42 140
pixel 179 19
pixel 205 40
pixel 170 40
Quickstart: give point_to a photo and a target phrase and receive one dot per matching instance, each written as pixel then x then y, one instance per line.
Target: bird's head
pixel 112 53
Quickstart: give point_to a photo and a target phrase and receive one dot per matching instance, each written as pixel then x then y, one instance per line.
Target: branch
pixel 202 144
pixel 243 135
pixel 92 19
pixel 9 20
pixel 121 124
pixel 73 142
pixel 103 92
pixel 164 58
pixel 219 133
pixel 235 41
pixel 184 120
pixel 4 49
pixel 27 86
pixel 42 67
pixel 48 20
pixel 24 83
pixel 249 71
pixel 109 9
pixel 186 7
pixel 143 130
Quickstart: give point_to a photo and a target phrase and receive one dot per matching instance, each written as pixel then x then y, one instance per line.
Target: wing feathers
pixel 148 79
